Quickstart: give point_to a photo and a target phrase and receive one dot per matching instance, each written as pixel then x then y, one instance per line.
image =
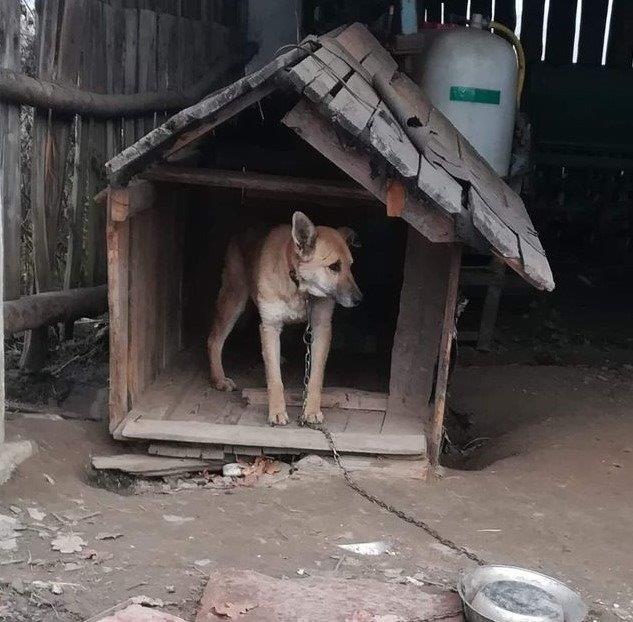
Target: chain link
pixel 307 340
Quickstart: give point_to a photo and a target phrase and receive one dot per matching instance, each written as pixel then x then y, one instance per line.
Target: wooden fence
pixel 103 46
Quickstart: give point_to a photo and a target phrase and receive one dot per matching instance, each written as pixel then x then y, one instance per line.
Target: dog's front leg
pixel 321 315
pixel 271 351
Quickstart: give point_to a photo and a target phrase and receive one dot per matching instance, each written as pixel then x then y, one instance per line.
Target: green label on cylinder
pixel 472 94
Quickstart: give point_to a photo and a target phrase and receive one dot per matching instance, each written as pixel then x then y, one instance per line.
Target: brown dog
pixel 282 272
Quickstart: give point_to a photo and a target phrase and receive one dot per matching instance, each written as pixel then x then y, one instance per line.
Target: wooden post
pixel 118 244
pixel 491 305
pixel 10 151
pixel 419 328
pixel 444 358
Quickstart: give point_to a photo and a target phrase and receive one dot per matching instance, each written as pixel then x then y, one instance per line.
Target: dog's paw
pixel 312 417
pixel 278 418
pixel 223 384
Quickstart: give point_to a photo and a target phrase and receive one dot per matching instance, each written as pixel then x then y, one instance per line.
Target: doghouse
pixel 333 128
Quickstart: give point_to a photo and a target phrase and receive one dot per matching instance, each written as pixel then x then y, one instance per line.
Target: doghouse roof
pixel 349 82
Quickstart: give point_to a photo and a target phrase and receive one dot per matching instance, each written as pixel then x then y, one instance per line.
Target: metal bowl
pixel 510 594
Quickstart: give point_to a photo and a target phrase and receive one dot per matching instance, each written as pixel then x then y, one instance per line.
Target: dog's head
pixel 324 266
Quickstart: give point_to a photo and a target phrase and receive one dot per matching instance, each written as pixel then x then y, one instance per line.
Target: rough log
pixel 19 89
pixel 38 310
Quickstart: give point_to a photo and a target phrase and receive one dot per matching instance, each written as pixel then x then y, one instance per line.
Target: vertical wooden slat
pixel 146 63
pixel 10 198
pixel 58 60
pixel 560 32
pixel 444 358
pixel 166 64
pixel 131 68
pixel 118 240
pixel 532 29
pixel 95 267
pixel 77 203
pixel 594 14
pixel 505 12
pixel 620 50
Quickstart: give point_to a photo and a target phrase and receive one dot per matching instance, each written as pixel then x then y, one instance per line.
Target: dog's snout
pixel 357 298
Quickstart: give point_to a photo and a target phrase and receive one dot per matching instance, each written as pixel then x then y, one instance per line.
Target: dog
pixel 293 270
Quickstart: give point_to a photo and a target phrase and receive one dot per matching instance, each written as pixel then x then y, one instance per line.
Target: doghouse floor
pixel 181 406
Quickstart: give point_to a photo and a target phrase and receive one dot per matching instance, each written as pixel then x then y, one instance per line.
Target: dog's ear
pixel 303 234
pixel 350 236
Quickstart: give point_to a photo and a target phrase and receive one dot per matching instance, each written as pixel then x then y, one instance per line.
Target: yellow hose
pixel 514 40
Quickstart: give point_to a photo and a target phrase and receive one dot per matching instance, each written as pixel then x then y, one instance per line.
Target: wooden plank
pixel 594 15
pixel 114 32
pixel 620 50
pixel 10 197
pixel 146 80
pixel 448 330
pixel 440 187
pixel 165 59
pixel 536 267
pixel 560 32
pixel 358 41
pixel 320 134
pixel 418 329
pixel 130 69
pixel 118 238
pixel 95 269
pixel 332 397
pixel 48 159
pixel 328 76
pixel 174 450
pixel 532 29
pixel 151 466
pixel 258 182
pixel 135 198
pixel 287 438
pixel 503 239
pixel 389 139
pixel 354 105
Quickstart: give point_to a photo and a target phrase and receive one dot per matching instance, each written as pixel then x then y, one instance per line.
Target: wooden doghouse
pixel 373 140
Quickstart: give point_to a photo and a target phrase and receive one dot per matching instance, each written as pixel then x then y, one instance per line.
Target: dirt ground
pixel 548 487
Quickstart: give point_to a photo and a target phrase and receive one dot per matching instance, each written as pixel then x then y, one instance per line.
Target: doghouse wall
pixel 155 281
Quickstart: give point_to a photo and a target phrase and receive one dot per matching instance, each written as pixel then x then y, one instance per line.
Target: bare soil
pixel 546 484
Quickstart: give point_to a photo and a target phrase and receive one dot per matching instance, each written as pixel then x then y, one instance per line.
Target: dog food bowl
pixel 510 594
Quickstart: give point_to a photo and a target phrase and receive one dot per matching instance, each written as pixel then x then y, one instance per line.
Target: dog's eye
pixel 336 266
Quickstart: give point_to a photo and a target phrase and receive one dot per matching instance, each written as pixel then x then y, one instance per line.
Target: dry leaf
pixel 231 610
pixel 68 543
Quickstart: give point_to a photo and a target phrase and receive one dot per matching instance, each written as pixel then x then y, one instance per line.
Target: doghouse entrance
pixel 179 404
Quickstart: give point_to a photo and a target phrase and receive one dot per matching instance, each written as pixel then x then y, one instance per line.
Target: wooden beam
pixel 20 89
pixel 259 182
pixel 38 310
pixel 126 202
pixel 448 329
pixel 118 241
pixel 396 196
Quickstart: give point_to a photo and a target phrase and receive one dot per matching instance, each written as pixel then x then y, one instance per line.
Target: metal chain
pixel 307 340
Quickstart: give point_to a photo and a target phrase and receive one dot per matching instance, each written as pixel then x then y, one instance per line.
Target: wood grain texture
pixel 118 239
pixel 10 199
pixel 444 359
pixel 418 330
